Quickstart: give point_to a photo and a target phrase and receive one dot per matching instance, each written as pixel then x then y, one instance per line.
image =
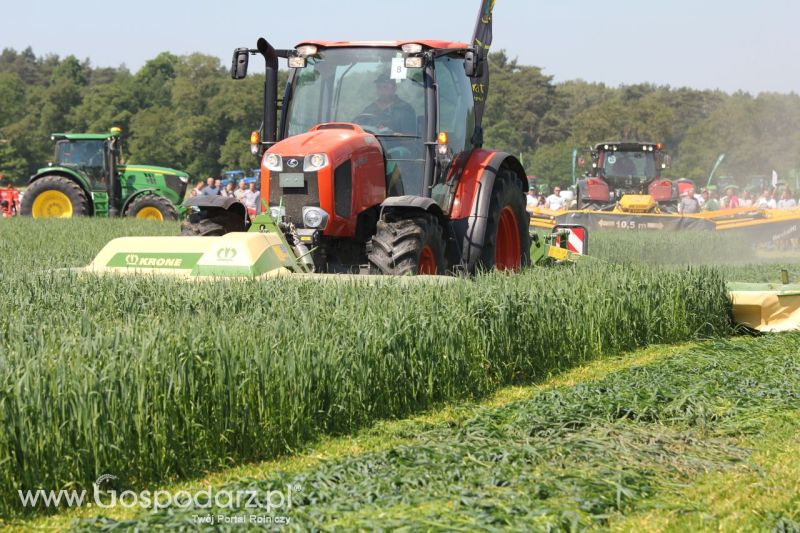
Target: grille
pixel 343 189
pixel 294 198
pixel 175 183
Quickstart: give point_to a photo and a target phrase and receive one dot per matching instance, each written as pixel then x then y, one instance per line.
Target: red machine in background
pixel 9 201
pixel 620 168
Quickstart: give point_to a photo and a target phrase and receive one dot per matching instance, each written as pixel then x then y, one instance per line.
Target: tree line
pixel 186 112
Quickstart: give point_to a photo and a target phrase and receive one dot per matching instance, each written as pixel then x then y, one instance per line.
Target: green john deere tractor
pixel 87 179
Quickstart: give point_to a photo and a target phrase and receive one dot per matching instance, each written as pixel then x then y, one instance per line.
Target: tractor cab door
pixel 456 118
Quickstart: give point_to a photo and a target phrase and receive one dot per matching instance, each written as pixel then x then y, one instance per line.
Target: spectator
pixel 763 200
pixel 540 200
pixel 772 202
pixel 239 192
pixel 218 184
pixel 710 203
pixel 210 190
pixel 787 201
pixel 689 204
pixel 198 190
pixel 252 199
pixel 746 200
pixel 532 199
pixel 733 200
pixel 701 199
pixel 555 202
pixel 228 190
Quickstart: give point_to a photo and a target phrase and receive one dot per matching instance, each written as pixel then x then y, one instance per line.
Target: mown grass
pixel 156 380
pixel 702 440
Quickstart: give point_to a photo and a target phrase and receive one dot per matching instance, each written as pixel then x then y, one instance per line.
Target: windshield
pixel 372 88
pixel 630 164
pixel 79 154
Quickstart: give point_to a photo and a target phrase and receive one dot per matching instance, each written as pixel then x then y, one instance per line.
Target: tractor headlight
pixel 314 217
pixel 314 162
pixel 273 162
pixel 306 50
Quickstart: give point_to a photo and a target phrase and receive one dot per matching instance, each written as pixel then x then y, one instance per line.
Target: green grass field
pixel 158 381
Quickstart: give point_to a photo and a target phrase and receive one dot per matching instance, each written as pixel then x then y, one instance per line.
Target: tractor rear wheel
pixel 55 197
pixel 410 245
pixel 507 242
pixel 212 223
pixel 151 207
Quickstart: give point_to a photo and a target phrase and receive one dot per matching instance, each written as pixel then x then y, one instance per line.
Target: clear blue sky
pixel 731 45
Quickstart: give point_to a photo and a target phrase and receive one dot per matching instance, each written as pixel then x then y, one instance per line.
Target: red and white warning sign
pixel 578 240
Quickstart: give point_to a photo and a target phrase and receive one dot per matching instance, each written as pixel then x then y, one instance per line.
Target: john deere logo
pixel 226 254
pixel 154 260
pixel 292 163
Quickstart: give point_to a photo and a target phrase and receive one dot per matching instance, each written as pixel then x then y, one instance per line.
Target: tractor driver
pixel 623 166
pixel 389 111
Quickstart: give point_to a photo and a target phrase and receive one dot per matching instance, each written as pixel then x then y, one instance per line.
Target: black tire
pixel 399 244
pixel 77 196
pixel 668 207
pixel 506 193
pixel 212 223
pixel 164 206
pixel 581 204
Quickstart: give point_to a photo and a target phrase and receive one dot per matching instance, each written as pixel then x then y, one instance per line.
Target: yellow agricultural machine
pixel 754 224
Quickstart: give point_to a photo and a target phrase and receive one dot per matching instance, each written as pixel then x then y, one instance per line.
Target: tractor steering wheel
pixel 369 122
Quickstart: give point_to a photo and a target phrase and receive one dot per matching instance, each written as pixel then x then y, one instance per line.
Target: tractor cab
pixel 628 167
pixel 387 90
pixel 87 154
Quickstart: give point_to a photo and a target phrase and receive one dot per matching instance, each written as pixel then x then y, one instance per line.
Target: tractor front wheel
pixel 507 240
pixel 151 207
pixel 412 245
pixel 212 222
pixel 55 197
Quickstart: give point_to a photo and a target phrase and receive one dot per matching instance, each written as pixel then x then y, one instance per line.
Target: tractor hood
pixel 338 141
pixel 346 178
pixel 154 170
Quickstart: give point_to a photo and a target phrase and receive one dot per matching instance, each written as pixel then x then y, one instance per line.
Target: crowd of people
pixel 708 200
pixel 690 202
pixel 246 194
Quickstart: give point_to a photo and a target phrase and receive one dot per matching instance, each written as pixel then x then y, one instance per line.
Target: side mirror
pixel 241 57
pixel 666 161
pixel 471 64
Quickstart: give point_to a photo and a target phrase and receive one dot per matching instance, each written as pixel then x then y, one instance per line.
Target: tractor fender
pixel 593 189
pixel 411 202
pixel 136 195
pixel 479 165
pixel 482 172
pixel 224 203
pixel 65 173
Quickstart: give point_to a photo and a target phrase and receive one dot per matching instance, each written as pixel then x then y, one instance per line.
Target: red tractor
pixel 376 164
pixel 620 168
